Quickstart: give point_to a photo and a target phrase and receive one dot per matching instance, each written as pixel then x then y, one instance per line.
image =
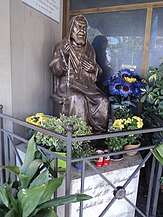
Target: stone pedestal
pixel 102 193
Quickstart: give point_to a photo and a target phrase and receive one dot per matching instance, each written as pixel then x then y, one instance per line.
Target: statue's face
pixel 79 32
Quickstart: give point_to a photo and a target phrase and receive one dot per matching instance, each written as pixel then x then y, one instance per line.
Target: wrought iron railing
pixel 7 143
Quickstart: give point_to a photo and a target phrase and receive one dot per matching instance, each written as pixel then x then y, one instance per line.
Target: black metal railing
pixel 7 139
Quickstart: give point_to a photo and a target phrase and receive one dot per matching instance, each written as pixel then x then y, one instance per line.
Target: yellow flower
pixel 39 115
pixel 28 119
pixel 37 123
pixel 139 124
pixel 130 80
pixel 118 123
pixel 128 121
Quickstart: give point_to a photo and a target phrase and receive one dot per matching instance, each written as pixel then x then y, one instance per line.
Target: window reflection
pixel 83 4
pixel 156 42
pixel 124 32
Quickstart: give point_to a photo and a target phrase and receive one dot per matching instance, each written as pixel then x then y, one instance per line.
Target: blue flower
pixel 125 89
pixel 125 73
pixel 115 86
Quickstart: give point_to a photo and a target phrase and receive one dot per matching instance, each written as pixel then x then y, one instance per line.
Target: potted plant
pixel 124 88
pixel 81 151
pixel 80 128
pixel 129 141
pixel 30 195
pixel 133 140
pixel 115 143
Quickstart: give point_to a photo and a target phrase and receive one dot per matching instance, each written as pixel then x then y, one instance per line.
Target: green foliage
pixel 161 180
pixel 84 150
pixel 158 153
pixel 123 112
pixel 59 125
pixel 30 195
pixel 153 94
pixel 116 143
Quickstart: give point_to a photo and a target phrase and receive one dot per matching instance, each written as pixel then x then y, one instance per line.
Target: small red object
pixel 106 160
pixel 99 161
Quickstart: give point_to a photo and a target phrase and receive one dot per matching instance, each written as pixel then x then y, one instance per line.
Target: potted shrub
pixel 116 144
pixel 133 140
pixel 129 141
pixel 80 128
pixel 81 151
pixel 30 195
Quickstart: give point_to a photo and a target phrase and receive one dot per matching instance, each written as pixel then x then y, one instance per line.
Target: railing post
pixel 69 130
pixel 156 189
pixel 2 158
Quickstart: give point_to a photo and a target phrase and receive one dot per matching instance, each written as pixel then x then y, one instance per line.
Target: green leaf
pixel 161 91
pixel 156 89
pixel 12 199
pixel 51 187
pixel 4 196
pixel 150 98
pixel 40 179
pixel 152 78
pixel 29 156
pixel 12 213
pixel 49 212
pixel 64 200
pixel 29 199
pixel 2 212
pixel 143 98
pixel 33 168
pixel 13 169
pixel 160 106
pixel 158 153
pixel 24 181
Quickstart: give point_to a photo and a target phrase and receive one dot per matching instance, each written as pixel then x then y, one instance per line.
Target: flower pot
pixel 128 147
pixel 78 165
pixel 116 157
pixel 61 163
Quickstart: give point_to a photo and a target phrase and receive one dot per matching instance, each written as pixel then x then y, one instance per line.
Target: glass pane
pixel 156 42
pixel 83 4
pixel 118 39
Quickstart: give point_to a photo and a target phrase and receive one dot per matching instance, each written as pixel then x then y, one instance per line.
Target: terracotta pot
pixel 128 147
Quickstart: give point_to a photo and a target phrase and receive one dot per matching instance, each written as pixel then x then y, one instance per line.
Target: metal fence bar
pixel 100 174
pixel 14 149
pixel 137 169
pixel 68 168
pixel 82 187
pixel 150 187
pixel 156 189
pixel 2 157
pixel 69 139
pixel 107 207
pixel 138 210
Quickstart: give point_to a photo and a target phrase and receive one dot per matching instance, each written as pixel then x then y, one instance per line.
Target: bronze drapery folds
pixel 75 68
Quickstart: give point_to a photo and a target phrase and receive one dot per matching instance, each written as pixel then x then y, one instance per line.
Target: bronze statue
pixel 76 71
